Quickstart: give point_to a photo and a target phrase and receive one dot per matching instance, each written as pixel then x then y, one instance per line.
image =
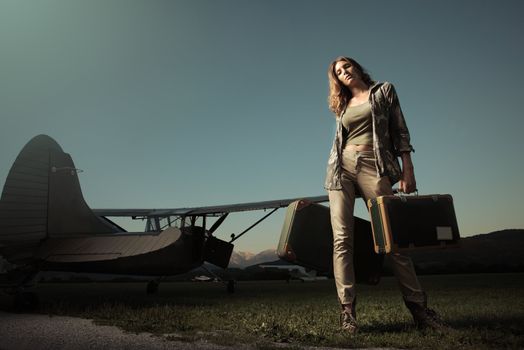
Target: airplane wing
pixel 219 209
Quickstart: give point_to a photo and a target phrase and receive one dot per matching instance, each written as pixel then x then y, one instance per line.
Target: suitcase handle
pixel 400 193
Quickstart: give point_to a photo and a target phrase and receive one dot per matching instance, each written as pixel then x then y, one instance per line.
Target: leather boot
pixel 348 317
pixel 424 317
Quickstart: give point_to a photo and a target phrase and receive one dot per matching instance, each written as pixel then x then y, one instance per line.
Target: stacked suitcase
pixel 307 240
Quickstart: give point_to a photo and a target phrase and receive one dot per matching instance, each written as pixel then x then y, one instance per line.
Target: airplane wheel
pixel 231 286
pixel 25 301
pixel 152 287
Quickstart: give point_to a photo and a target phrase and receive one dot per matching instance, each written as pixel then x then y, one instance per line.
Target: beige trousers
pixel 359 170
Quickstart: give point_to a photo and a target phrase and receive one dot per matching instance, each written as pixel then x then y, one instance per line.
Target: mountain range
pixel 245 259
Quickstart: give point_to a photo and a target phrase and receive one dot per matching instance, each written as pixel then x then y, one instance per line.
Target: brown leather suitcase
pixel 403 222
pixel 307 240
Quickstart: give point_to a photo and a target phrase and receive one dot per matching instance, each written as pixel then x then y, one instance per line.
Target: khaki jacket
pixel 390 137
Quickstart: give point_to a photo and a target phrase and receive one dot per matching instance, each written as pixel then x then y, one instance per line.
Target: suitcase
pixel 307 240
pixel 403 223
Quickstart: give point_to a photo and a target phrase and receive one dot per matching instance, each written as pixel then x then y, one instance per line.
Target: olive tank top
pixel 357 120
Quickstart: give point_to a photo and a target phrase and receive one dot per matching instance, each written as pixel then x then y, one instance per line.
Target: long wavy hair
pixel 339 94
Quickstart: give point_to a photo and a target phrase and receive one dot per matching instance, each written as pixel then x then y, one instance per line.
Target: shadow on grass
pixel 382 327
pixel 513 324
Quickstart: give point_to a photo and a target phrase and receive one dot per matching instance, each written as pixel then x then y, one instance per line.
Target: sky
pixel 182 103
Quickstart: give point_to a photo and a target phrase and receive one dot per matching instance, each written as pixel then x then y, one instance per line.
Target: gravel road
pixel 39 332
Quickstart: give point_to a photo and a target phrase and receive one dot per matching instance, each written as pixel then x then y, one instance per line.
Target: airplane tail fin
pixel 41 198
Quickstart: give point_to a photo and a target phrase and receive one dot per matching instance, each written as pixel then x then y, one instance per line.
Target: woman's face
pixel 346 73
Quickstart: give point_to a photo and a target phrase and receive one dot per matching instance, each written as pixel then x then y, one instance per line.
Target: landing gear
pixel 16 283
pixel 152 287
pixel 25 301
pixel 231 286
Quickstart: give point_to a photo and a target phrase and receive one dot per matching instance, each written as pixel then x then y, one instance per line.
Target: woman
pixel 371 134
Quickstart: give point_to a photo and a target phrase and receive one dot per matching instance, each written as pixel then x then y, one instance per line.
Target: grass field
pixel 486 311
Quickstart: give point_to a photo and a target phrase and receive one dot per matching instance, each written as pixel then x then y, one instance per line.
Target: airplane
pixel 296 272
pixel 46 225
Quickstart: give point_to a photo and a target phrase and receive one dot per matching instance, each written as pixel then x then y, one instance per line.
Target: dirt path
pixel 35 332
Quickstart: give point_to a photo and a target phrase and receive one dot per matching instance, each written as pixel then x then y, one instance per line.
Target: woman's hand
pixel 407 183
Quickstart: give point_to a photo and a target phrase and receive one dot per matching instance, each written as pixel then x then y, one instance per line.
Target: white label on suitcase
pixel 444 233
